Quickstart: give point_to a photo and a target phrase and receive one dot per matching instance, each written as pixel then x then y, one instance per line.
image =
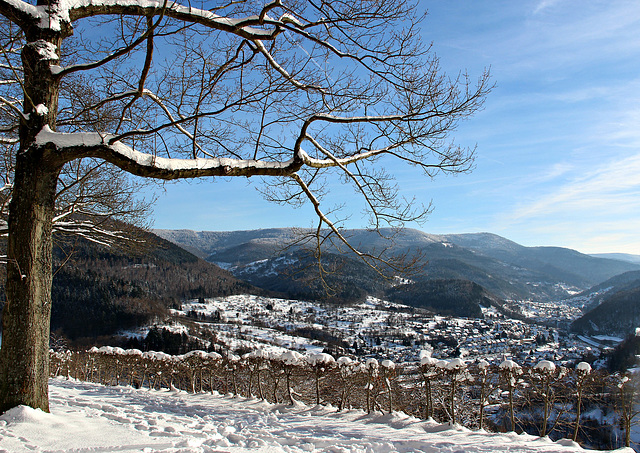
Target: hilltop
pixel 504 268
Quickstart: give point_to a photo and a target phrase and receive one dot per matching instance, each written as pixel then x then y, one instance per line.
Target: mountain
pixel 618 314
pixel 569 266
pixel 613 307
pixel 505 268
pixel 205 243
pixel 599 293
pixel 296 275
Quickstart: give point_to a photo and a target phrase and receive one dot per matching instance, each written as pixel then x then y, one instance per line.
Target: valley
pixel 478 296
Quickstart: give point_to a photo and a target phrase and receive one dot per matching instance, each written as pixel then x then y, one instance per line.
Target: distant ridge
pixel 205 243
pixel 619 256
pixel 505 268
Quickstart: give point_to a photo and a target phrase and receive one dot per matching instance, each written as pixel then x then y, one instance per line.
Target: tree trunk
pixel 578 408
pixel 511 413
pixel 428 410
pixel 452 398
pixel 318 387
pixel 289 391
pixel 481 415
pixel 24 356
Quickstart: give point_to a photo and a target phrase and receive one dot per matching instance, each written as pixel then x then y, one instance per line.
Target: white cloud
pixel 544 4
pixel 559 35
pixel 610 188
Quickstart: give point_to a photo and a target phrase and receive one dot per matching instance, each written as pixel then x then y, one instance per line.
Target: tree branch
pixel 80 145
pixel 19 12
pixel 240 27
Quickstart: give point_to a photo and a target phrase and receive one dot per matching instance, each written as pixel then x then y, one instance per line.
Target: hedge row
pixel 545 399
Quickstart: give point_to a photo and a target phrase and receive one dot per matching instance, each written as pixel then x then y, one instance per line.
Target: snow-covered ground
pixel 89 417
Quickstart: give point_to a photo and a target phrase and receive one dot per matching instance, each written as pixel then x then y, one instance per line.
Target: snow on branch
pixel 78 145
pixel 18 11
pixel 60 14
pixel 243 27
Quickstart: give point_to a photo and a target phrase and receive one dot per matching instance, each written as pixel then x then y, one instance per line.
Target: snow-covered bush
pixel 544 376
pixel 194 363
pixel 291 362
pixel 429 372
pixel 581 373
pixel 372 368
pixel 255 362
pixel 483 367
pixel 455 370
pixel 320 363
pixel 389 374
pixel 347 369
pixel 231 365
pixel 627 399
pixel 509 372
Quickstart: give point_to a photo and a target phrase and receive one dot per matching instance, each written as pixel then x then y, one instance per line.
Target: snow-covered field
pixel 89 417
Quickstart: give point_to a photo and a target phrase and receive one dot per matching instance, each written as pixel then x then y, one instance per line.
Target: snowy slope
pixel 88 417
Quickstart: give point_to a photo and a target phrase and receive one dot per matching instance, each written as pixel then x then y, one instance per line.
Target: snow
pixel 545 366
pixel 53 16
pixel 41 109
pixel 587 340
pixel 455 364
pixel 45 49
pixel 292 358
pixel 92 139
pixel 509 365
pixel 320 358
pixel 583 367
pixel 608 338
pixel 287 18
pixel 91 417
pixel 388 364
pixel 344 362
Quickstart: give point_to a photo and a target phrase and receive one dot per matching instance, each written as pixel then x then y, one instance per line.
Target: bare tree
pixel 544 377
pixel 297 91
pixel 321 363
pixel 627 397
pixel 429 372
pixel 581 374
pixel 509 372
pixel 485 390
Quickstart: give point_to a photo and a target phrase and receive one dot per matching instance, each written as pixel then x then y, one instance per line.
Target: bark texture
pixel 27 312
pixel 24 356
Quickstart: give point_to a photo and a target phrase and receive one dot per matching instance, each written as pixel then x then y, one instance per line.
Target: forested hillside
pixel 99 290
pixel 297 275
pixel 447 297
pixel 618 314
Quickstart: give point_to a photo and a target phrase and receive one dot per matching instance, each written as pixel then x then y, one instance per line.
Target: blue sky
pixel 558 142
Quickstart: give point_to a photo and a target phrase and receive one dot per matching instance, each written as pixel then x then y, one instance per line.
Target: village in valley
pixel 385 330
